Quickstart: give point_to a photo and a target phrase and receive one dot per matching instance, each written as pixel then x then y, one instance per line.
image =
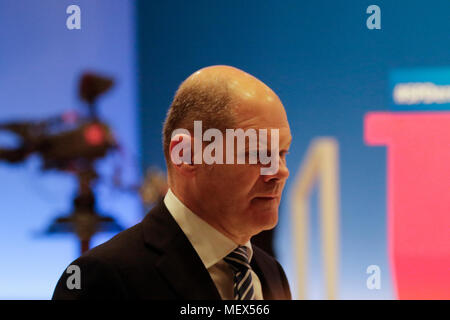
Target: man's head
pixel 234 198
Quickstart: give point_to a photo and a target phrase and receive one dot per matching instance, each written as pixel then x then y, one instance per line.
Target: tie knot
pixel 238 259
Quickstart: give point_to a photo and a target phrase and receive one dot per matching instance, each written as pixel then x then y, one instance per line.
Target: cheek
pixel 243 178
pixel 236 181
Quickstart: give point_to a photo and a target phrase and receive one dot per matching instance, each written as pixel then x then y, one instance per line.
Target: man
pixel 196 243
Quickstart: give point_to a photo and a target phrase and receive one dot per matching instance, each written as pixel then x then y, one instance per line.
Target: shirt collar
pixel 210 244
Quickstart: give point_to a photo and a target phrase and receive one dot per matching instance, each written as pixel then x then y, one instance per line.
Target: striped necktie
pixel 243 285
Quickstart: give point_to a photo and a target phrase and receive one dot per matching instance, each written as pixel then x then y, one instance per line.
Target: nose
pixel 282 173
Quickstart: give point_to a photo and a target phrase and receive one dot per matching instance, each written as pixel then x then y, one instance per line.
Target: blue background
pixel 318 56
pixel 40 62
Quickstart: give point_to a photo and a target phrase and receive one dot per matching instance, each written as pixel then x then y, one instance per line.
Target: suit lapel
pixel 178 263
pixel 263 271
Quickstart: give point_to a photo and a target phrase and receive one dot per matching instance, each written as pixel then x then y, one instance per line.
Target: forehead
pixel 267 112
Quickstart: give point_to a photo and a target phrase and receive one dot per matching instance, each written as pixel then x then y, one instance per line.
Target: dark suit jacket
pixel 155 260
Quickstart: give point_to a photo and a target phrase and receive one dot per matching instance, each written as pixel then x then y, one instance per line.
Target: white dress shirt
pixel 211 246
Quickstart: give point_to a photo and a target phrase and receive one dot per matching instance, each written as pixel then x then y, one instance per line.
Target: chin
pixel 267 219
pixel 264 214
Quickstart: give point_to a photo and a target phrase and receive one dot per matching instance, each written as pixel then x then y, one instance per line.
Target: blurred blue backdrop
pixel 319 57
pixel 40 62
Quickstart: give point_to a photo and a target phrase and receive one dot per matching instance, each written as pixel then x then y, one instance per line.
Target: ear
pixel 180 151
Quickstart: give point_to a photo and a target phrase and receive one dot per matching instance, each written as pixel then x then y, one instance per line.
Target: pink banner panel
pixel 418 199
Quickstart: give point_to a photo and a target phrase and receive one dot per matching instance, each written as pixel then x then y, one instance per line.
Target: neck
pixel 238 237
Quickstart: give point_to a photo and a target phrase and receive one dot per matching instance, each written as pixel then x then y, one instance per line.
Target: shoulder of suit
pixel 122 249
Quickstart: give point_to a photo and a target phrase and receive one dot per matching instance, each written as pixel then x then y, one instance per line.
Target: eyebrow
pixel 247 146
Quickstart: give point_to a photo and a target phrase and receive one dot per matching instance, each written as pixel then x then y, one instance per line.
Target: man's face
pixel 237 196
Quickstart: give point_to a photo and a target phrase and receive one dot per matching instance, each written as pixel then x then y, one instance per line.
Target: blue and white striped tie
pixel 243 285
